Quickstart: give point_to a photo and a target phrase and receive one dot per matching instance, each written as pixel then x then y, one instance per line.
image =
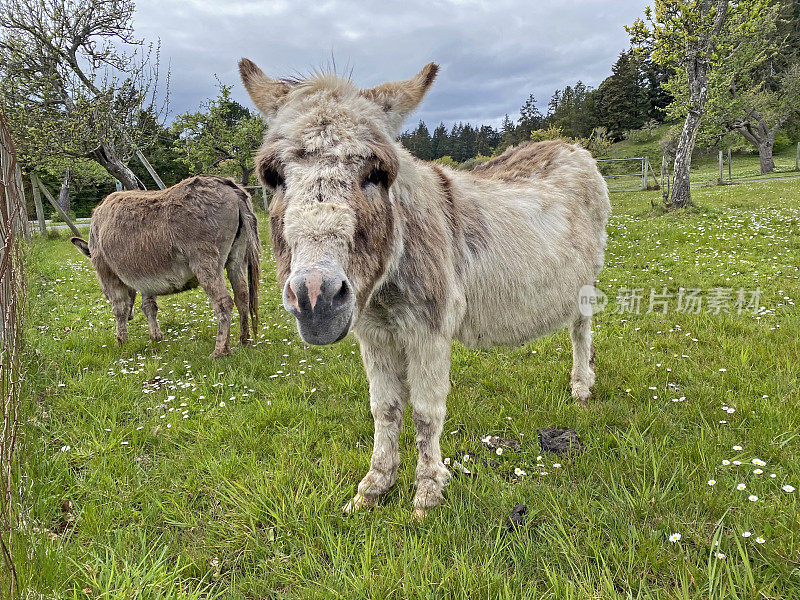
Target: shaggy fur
pixel 167 241
pixel 496 256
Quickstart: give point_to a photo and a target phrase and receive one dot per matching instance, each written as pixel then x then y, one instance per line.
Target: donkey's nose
pixel 316 294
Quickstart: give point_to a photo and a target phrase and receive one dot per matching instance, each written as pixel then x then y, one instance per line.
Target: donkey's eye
pixel 376 177
pixel 272 178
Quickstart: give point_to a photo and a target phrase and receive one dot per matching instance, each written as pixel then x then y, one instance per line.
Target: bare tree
pixel 77 83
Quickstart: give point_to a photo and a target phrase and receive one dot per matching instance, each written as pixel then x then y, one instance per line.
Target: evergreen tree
pixel 623 96
pixel 440 143
pixel 529 119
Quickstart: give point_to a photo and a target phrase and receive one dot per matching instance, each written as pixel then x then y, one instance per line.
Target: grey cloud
pixel 492 54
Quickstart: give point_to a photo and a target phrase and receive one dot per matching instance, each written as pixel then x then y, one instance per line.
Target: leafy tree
pixel 682 35
pixel 76 83
pixel 753 87
pixel 221 138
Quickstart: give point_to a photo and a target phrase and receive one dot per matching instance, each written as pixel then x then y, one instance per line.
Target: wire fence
pixel 627 174
pixel 734 167
pixel 13 224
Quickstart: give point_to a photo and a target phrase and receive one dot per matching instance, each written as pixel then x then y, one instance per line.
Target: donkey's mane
pixel 320 78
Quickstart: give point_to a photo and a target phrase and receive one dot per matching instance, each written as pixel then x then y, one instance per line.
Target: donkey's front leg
pixel 429 384
pixel 386 371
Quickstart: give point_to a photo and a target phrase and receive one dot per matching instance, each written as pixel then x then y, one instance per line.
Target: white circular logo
pixel 591 300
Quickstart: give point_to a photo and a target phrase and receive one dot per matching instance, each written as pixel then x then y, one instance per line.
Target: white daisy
pixel 760 540
pixel 741 486
pixel 712 482
pixel 746 534
pixel 753 498
pixel 675 537
pixel 788 488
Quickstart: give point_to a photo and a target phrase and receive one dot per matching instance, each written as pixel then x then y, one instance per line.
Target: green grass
pixel 124 497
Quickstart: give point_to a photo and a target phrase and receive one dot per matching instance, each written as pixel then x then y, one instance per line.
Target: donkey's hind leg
pixel 132 293
pixel 120 297
pixel 150 310
pixel 241 296
pixel 209 276
pixel 582 377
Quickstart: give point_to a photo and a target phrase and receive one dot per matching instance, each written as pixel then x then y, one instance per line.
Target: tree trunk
pixel 108 159
pixel 762 137
pixel 697 62
pixel 246 172
pixel 765 155
pixel 63 194
pixel 681 191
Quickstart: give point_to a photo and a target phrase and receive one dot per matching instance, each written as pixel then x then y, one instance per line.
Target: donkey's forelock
pixel 395 99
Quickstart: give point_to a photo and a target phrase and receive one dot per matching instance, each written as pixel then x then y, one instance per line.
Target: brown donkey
pixel 167 241
pixel 411 255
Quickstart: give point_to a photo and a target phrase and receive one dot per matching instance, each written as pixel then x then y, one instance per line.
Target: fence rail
pixel 615 169
pixel 13 223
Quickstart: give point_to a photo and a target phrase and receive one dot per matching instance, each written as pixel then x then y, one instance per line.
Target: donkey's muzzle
pixel 321 299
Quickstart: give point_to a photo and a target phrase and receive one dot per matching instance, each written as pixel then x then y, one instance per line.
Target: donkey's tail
pixel 252 256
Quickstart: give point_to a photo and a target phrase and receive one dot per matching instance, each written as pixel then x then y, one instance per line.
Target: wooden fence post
pixel 37 201
pixel 644 175
pixel 150 169
pixel 730 178
pixel 264 198
pixel 797 158
pixel 23 208
pixel 57 207
pixel 721 165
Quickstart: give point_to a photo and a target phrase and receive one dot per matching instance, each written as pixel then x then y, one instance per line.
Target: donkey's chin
pixel 329 332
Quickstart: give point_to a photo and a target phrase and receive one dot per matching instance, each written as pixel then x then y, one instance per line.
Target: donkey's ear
pixel 399 98
pixel 81 245
pixel 267 94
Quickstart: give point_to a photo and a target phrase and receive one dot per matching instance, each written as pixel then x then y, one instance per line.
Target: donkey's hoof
pixel 582 394
pixel 420 514
pixel 220 353
pixel 357 503
pixel 122 339
pixel 157 337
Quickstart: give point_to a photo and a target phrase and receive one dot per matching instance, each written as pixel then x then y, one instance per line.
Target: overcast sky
pixel 492 53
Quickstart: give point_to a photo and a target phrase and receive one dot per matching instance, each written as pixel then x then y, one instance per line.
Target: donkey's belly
pixel 178 279
pixel 503 313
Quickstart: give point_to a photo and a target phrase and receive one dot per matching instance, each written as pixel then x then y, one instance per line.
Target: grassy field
pixel 150 471
pixel 705 163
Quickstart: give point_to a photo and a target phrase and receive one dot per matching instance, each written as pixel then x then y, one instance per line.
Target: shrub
pixel 473 162
pixel 551 133
pixel 56 216
pixel 782 142
pixel 447 161
pixel 598 143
